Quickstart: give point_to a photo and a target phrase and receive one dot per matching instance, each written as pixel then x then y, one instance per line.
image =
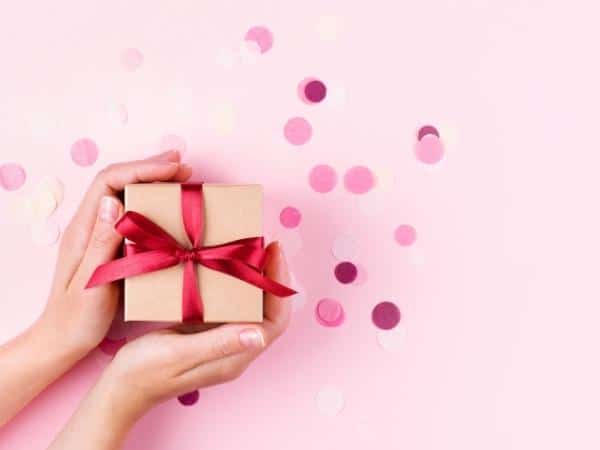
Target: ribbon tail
pixel 131 265
pixel 191 302
pixel 246 273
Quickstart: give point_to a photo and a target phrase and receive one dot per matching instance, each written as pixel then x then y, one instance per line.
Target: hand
pixel 82 316
pixel 167 363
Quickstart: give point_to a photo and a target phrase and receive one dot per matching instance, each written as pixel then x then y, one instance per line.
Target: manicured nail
pixel 252 338
pixel 109 210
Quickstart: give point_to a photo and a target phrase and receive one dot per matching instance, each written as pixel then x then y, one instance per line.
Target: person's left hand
pixel 76 317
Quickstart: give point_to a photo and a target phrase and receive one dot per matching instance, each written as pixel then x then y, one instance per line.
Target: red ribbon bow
pixel 155 249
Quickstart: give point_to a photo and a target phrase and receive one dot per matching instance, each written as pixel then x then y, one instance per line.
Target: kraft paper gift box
pixel 231 212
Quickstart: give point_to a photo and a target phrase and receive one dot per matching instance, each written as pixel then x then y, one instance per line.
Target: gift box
pixel 192 252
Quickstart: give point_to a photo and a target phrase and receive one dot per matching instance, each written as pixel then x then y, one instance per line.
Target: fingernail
pixel 109 210
pixel 283 271
pixel 252 338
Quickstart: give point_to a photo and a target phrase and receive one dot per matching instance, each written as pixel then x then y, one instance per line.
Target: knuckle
pixel 100 238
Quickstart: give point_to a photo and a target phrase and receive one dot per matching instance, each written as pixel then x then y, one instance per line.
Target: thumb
pixel 104 241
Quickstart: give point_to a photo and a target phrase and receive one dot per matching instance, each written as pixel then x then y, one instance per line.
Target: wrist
pixel 53 334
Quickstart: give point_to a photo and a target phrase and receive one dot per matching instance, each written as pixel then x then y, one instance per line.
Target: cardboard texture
pixel 230 212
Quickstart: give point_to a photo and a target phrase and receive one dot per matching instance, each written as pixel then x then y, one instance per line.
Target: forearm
pixel 29 363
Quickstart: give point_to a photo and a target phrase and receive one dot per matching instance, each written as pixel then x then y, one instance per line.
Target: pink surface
pixel 499 294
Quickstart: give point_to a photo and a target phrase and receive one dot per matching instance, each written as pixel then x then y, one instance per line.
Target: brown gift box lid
pixel 230 212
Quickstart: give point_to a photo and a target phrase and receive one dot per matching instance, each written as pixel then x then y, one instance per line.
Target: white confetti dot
pixel 344 248
pixel 45 233
pixel 40 205
pixel 329 28
pixel 54 185
pixel 330 400
pixel 249 52
pixel 391 340
pixel 223 119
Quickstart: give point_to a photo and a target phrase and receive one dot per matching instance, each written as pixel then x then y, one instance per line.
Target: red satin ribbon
pixel 155 249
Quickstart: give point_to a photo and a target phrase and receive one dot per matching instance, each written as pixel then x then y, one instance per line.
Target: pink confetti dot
pixel 12 176
pixel 132 59
pixel 111 346
pixel 359 180
pixel 172 142
pixel 84 152
pixel 297 131
pixel 312 90
pixel 346 272
pixel 290 217
pixel 262 36
pixel 429 149
pixel 405 235
pixel 425 130
pixel 189 398
pixel 386 315
pixel 329 313
pixel 322 178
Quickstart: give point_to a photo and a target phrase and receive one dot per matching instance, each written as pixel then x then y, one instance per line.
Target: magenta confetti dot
pixel 329 313
pixel 189 398
pixel 427 129
pixel 405 235
pixel 12 176
pixel 111 346
pixel 386 315
pixel 297 131
pixel 262 36
pixel 322 178
pixel 132 59
pixel 346 272
pixel 359 180
pixel 84 152
pixel 290 217
pixel 315 91
pixel 429 149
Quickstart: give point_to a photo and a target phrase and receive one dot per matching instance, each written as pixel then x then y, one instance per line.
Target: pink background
pixel 499 294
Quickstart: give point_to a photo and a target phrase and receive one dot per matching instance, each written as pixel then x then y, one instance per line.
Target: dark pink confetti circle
pixel 315 91
pixel 12 176
pixel 262 36
pixel 427 129
pixel 346 272
pixel 429 149
pixel 329 313
pixel 322 178
pixel 297 131
pixel 405 235
pixel 386 315
pixel 290 217
pixel 359 180
pixel 84 152
pixel 189 398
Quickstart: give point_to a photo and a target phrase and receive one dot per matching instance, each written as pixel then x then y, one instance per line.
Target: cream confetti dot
pixel 329 28
pixel 384 178
pixel 45 233
pixel 249 52
pixel 344 248
pixel 223 119
pixel 40 205
pixel 330 400
pixel 54 185
pixel 391 340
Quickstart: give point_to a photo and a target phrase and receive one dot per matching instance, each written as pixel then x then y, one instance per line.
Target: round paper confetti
pixel 329 313
pixel 312 90
pixel 297 131
pixel 40 205
pixel 429 149
pixel 330 400
pixel 45 233
pixel 54 185
pixel 172 142
pixel 322 178
pixel 346 272
pixel 290 217
pixel 425 130
pixel 344 248
pixel 391 340
pixel 359 179
pixel 111 346
pixel 262 36
pixel 386 315
pixel 84 152
pixel 405 235
pixel 132 59
pixel 249 52
pixel 12 176
pixel 189 398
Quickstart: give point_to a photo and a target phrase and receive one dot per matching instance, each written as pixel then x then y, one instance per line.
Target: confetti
pixel 290 217
pixel 40 205
pixel 45 233
pixel 262 36
pixel 54 186
pixel 359 180
pixel 344 248
pixel 322 178
pixel 345 272
pixel 84 152
pixel 312 90
pixel 427 129
pixel 329 313
pixel 429 149
pixel 405 235
pixel 12 176
pixel 189 398
pixel 330 400
pixel 386 315
pixel 297 131
pixel 249 52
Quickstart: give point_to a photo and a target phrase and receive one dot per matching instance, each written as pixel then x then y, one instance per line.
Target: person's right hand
pixel 167 363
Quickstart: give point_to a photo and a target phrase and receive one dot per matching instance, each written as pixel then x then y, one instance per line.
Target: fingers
pixel 163 167
pixel 103 244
